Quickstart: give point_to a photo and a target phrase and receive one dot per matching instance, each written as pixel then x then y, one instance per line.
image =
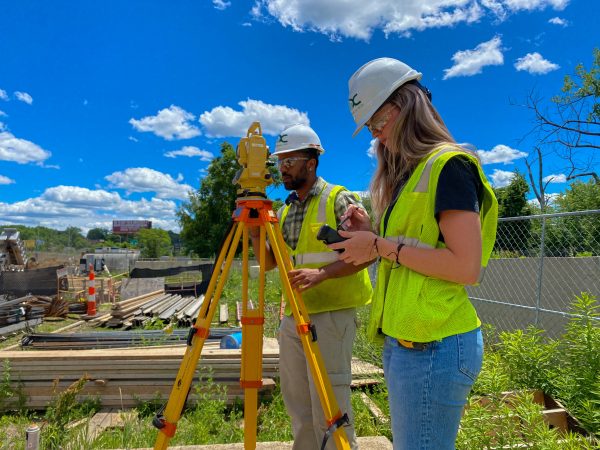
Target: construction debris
pixel 12 251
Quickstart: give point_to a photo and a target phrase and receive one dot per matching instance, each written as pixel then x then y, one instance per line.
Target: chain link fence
pixel 539 264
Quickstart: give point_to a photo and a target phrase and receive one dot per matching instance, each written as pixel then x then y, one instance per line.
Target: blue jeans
pixel 427 389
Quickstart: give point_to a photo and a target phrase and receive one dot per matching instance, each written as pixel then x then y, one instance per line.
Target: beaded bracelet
pixel 398 253
pixel 375 245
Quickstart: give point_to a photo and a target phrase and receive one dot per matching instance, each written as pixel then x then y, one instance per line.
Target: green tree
pixel 154 243
pixel 205 217
pixel 97 234
pixel 514 236
pixel 576 235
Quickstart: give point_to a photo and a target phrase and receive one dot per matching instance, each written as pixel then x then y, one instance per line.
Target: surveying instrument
pixel 252 209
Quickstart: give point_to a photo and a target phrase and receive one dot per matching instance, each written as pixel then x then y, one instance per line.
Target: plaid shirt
pixel 295 216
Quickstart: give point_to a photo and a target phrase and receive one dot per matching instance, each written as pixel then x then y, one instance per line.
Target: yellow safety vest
pixel 335 293
pixel 411 306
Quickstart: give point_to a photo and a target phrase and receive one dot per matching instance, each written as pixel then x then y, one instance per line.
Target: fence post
pixel 540 272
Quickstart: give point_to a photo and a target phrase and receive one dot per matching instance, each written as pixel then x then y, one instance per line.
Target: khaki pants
pixel 335 336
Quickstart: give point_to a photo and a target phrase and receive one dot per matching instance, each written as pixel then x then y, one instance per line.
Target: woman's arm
pixel 459 262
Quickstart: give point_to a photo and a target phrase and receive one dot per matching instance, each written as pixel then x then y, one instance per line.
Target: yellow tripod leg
pixel 252 344
pixel 331 410
pixel 167 423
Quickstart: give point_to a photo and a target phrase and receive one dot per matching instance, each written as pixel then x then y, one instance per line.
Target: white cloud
pixel 24 97
pixel 6 180
pixel 221 4
pixel 530 5
pixel 131 138
pixel 143 179
pixel 501 178
pixel 372 151
pixel 535 63
pixel 500 154
pixel 224 121
pixel 354 18
pixel 555 178
pixel 21 151
pixel 85 208
pixel 79 197
pixel 357 19
pixel 3 114
pixel 559 21
pixel 190 152
pixel 470 62
pixel 170 123
pixel 3 95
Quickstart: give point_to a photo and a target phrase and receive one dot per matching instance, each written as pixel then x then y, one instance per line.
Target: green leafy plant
pixel 12 396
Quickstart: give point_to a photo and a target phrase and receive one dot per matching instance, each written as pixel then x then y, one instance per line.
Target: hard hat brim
pixel 320 150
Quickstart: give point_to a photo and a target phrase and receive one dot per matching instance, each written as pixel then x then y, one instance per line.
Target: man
pixel 331 289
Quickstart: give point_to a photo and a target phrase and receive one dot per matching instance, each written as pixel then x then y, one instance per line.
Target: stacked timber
pixel 156 305
pixel 125 377
pixel 170 308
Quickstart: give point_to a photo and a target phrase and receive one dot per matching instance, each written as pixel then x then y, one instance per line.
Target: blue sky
pixel 114 109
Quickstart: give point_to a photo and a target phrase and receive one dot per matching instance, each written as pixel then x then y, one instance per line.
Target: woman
pixel 436 217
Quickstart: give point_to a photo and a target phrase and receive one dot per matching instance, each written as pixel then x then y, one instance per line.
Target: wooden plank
pixel 556 418
pixel 374 409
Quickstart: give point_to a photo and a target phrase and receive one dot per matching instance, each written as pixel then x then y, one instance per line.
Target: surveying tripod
pixel 252 209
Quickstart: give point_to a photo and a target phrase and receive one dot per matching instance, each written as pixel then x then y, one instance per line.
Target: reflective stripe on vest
pixel 315 258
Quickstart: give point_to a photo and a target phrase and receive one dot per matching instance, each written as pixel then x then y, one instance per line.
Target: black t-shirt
pixel 459 187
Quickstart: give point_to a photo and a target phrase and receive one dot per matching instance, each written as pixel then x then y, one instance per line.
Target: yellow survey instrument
pixel 252 209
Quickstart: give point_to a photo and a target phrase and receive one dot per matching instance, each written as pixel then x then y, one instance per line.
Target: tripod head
pixel 252 154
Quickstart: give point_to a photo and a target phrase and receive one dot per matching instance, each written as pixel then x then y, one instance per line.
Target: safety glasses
pixel 379 120
pixel 289 162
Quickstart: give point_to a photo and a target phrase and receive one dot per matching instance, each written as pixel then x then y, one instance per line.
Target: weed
pixel 65 408
pixel 12 396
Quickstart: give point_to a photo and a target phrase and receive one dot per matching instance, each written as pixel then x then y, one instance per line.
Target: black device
pixel 330 236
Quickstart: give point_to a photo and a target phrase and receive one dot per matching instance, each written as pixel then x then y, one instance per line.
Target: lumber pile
pixel 166 307
pixel 125 377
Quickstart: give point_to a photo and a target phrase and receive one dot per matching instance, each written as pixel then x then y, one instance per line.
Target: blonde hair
pixel 418 130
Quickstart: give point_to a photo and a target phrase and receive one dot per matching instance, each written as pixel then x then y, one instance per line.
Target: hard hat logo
pixel 354 102
pixel 297 137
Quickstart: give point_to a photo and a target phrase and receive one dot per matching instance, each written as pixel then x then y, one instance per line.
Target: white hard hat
pixel 373 83
pixel 297 137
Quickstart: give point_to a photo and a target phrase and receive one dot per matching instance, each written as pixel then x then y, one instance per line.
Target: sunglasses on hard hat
pixel 379 120
pixel 289 162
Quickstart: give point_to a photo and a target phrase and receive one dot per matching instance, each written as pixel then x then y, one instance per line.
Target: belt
pixel 420 346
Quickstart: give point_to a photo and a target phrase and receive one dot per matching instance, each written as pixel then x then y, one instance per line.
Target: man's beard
pixel 295 183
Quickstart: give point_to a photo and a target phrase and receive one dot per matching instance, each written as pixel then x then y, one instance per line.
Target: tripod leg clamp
pixel 334 424
pixel 202 332
pixel 167 428
pixel 308 328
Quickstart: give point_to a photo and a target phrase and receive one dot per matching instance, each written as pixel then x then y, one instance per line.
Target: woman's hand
pixel 356 219
pixel 359 248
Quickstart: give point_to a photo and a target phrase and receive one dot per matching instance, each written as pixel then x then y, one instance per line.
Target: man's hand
pixel 303 279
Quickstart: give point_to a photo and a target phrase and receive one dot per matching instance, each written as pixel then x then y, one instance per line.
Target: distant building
pixel 130 226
